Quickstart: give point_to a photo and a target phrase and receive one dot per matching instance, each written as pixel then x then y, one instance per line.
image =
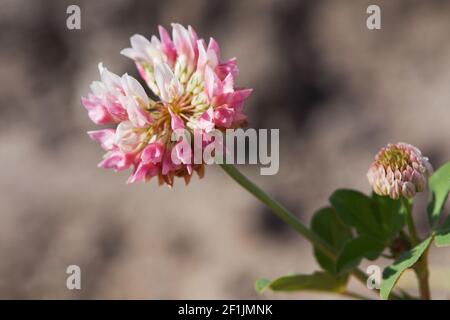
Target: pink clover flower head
pixel 195 91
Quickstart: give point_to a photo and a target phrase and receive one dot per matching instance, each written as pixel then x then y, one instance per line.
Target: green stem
pixel 410 222
pixel 423 274
pixel 421 267
pixel 289 218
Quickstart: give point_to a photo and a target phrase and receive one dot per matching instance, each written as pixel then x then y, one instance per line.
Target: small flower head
pixel 194 89
pixel 399 170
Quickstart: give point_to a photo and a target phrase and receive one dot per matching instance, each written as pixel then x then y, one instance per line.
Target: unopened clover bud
pixel 399 170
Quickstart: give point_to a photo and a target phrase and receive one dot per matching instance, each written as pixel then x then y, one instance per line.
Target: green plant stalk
pixel 289 218
pixel 407 204
pixel 423 274
pixel 421 267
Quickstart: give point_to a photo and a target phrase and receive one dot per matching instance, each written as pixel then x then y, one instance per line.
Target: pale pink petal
pixel 109 79
pixel 167 45
pixel 132 87
pixel 192 34
pixel 211 83
pixel 185 42
pixel 117 160
pixel 105 137
pixel 213 50
pixel 138 50
pixel 127 137
pixel 202 56
pixel 176 122
pixel 227 67
pixel 143 172
pixel 182 40
pixel 228 84
pixel 408 190
pixel 116 109
pixel 241 94
pixel 209 56
pixel 97 112
pixel 153 153
pixel 206 121
pixel 169 86
pixel 138 116
pixel 223 117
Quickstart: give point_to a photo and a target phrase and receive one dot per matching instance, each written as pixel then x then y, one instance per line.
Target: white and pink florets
pixel 399 170
pixel 194 89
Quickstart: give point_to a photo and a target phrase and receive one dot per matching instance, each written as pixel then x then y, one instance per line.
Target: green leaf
pixel 392 273
pixel 261 285
pixel 318 281
pixel 393 215
pixel 439 185
pixel 442 235
pixel 357 249
pixel 358 210
pixel 327 225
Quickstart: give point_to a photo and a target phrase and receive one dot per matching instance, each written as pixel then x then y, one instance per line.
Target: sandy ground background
pixel 336 91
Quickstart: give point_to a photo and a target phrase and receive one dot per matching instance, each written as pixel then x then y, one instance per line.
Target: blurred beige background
pixel 336 91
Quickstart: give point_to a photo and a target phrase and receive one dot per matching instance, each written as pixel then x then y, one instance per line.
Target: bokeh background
pixel 336 90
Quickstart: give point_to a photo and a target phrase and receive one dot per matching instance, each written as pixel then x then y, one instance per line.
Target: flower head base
pixel 195 92
pixel 399 170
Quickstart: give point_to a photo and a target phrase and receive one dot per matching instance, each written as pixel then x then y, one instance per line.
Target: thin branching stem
pixel 421 267
pixel 289 218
